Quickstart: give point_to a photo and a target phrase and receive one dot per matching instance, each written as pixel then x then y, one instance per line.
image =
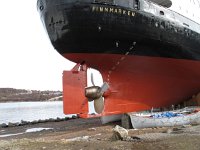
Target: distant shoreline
pixel 21 95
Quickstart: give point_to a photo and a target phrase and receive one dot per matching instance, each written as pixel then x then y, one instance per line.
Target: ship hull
pixel 142 82
pixel 96 28
pixel 148 61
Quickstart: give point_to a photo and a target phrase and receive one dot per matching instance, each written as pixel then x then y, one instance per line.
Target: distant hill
pixel 12 95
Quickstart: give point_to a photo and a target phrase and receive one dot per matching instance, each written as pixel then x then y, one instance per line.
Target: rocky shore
pixel 23 123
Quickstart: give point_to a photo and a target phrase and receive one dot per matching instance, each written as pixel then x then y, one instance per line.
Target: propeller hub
pixel 93 92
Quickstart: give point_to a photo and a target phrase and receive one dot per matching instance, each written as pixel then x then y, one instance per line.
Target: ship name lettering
pixel 106 9
pixel 113 11
pixel 94 9
pixel 120 11
pixel 129 13
pixel 124 12
pixel 101 9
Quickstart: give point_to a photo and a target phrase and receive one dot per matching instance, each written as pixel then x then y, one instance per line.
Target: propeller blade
pixel 99 105
pixel 92 79
pixel 104 87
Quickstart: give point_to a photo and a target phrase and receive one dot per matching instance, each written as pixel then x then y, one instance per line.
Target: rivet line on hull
pixel 119 61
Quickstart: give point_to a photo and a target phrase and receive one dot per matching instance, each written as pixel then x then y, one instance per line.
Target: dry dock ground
pixel 90 134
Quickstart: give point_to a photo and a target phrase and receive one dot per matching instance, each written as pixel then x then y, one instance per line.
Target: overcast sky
pixel 27 58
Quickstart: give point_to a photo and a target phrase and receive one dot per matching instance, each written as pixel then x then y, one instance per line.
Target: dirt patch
pixel 89 134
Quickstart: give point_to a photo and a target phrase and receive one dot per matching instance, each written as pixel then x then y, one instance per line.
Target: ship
pixel 147 51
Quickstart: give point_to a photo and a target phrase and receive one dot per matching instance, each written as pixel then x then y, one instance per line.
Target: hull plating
pixel 140 82
pixel 86 27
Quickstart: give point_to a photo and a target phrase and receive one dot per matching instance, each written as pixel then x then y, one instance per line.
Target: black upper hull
pixel 85 27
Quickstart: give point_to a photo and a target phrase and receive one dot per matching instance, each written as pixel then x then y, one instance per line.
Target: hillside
pixel 11 95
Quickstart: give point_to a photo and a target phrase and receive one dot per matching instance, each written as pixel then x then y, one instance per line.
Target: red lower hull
pixel 141 82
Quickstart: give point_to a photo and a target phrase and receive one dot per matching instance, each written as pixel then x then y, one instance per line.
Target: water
pixel 30 111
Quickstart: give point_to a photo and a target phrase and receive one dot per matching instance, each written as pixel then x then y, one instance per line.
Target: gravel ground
pixel 86 134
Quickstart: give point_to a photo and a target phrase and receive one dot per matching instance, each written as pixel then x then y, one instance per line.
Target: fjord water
pixel 30 111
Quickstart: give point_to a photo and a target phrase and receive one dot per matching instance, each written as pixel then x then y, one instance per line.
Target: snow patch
pixel 37 129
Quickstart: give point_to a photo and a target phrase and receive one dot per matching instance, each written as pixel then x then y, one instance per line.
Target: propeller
pixel 92 79
pixel 95 93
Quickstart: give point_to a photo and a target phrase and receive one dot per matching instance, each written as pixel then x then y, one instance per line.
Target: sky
pixel 27 58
